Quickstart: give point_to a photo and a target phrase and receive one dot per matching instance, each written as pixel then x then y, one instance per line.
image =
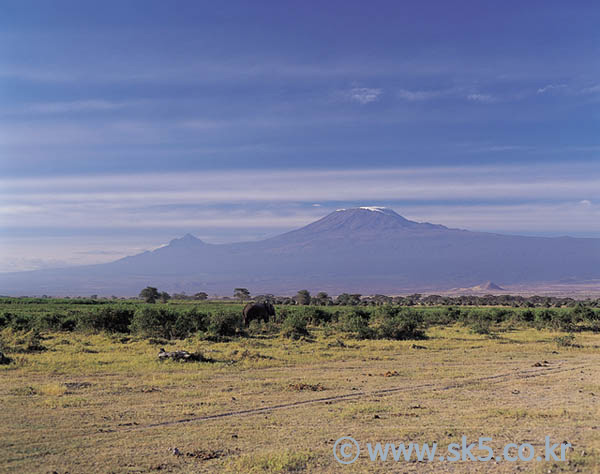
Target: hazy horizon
pixel 111 251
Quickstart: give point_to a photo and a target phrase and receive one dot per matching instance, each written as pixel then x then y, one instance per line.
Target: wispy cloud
pixel 551 88
pixel 26 253
pixel 227 205
pixel 75 106
pixel 569 218
pixel 152 129
pixel 136 200
pixel 501 148
pixel 483 98
pixel 418 95
pixel 20 264
pixel 591 89
pixel 364 95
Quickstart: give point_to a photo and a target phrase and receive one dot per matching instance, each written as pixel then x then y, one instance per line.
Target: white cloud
pixel 19 264
pixel 181 199
pixel 591 90
pixel 528 219
pixel 417 95
pixel 227 205
pixel 147 131
pixel 483 98
pixel 501 148
pixel 27 253
pixel 221 183
pixel 364 95
pixel 550 88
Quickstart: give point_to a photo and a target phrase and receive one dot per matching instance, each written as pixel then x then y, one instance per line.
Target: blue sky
pixel 124 124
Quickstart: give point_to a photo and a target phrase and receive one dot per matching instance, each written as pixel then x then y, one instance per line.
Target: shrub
pixel 188 323
pixel 356 322
pixel 260 327
pixel 21 323
pixel 392 322
pixel 294 326
pixel 32 342
pixel 154 322
pixel 69 323
pixel 583 313
pixel 24 342
pixel 560 320
pixel 3 359
pixel 567 340
pixel 442 316
pixel 280 315
pixel 224 324
pixel 5 319
pixel 167 323
pixel 500 314
pixel 528 316
pixel 313 315
pixel 563 321
pixel 107 319
pixel 50 321
pixel 454 313
pixel 544 317
pixel 481 325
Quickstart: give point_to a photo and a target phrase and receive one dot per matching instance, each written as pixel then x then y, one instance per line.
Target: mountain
pixel 488 286
pixel 364 250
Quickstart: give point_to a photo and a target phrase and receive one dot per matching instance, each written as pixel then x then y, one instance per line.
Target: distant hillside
pixel 488 286
pixel 365 250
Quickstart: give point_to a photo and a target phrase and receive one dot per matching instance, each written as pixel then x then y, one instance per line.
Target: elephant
pixel 257 311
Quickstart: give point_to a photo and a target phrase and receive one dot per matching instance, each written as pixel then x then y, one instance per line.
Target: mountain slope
pixel 488 286
pixel 362 249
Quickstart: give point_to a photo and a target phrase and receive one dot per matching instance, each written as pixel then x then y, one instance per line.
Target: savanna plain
pixel 83 390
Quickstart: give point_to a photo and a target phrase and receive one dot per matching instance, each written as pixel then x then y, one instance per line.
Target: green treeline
pixel 222 321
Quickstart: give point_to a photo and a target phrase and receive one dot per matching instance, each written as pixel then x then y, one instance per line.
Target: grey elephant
pixel 257 311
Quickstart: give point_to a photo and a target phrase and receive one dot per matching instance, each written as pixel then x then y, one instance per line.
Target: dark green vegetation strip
pixel 370 319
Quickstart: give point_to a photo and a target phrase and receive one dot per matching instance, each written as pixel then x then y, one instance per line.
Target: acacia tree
pixel 303 297
pixel 346 299
pixel 150 294
pixel 164 296
pixel 241 293
pixel 322 299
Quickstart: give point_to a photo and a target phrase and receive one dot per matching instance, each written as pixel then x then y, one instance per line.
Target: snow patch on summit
pixel 375 209
pixel 383 210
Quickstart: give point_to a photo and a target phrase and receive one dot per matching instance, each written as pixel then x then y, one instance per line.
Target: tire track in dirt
pixel 494 379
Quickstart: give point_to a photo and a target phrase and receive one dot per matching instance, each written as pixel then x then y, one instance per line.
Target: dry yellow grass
pixel 105 404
